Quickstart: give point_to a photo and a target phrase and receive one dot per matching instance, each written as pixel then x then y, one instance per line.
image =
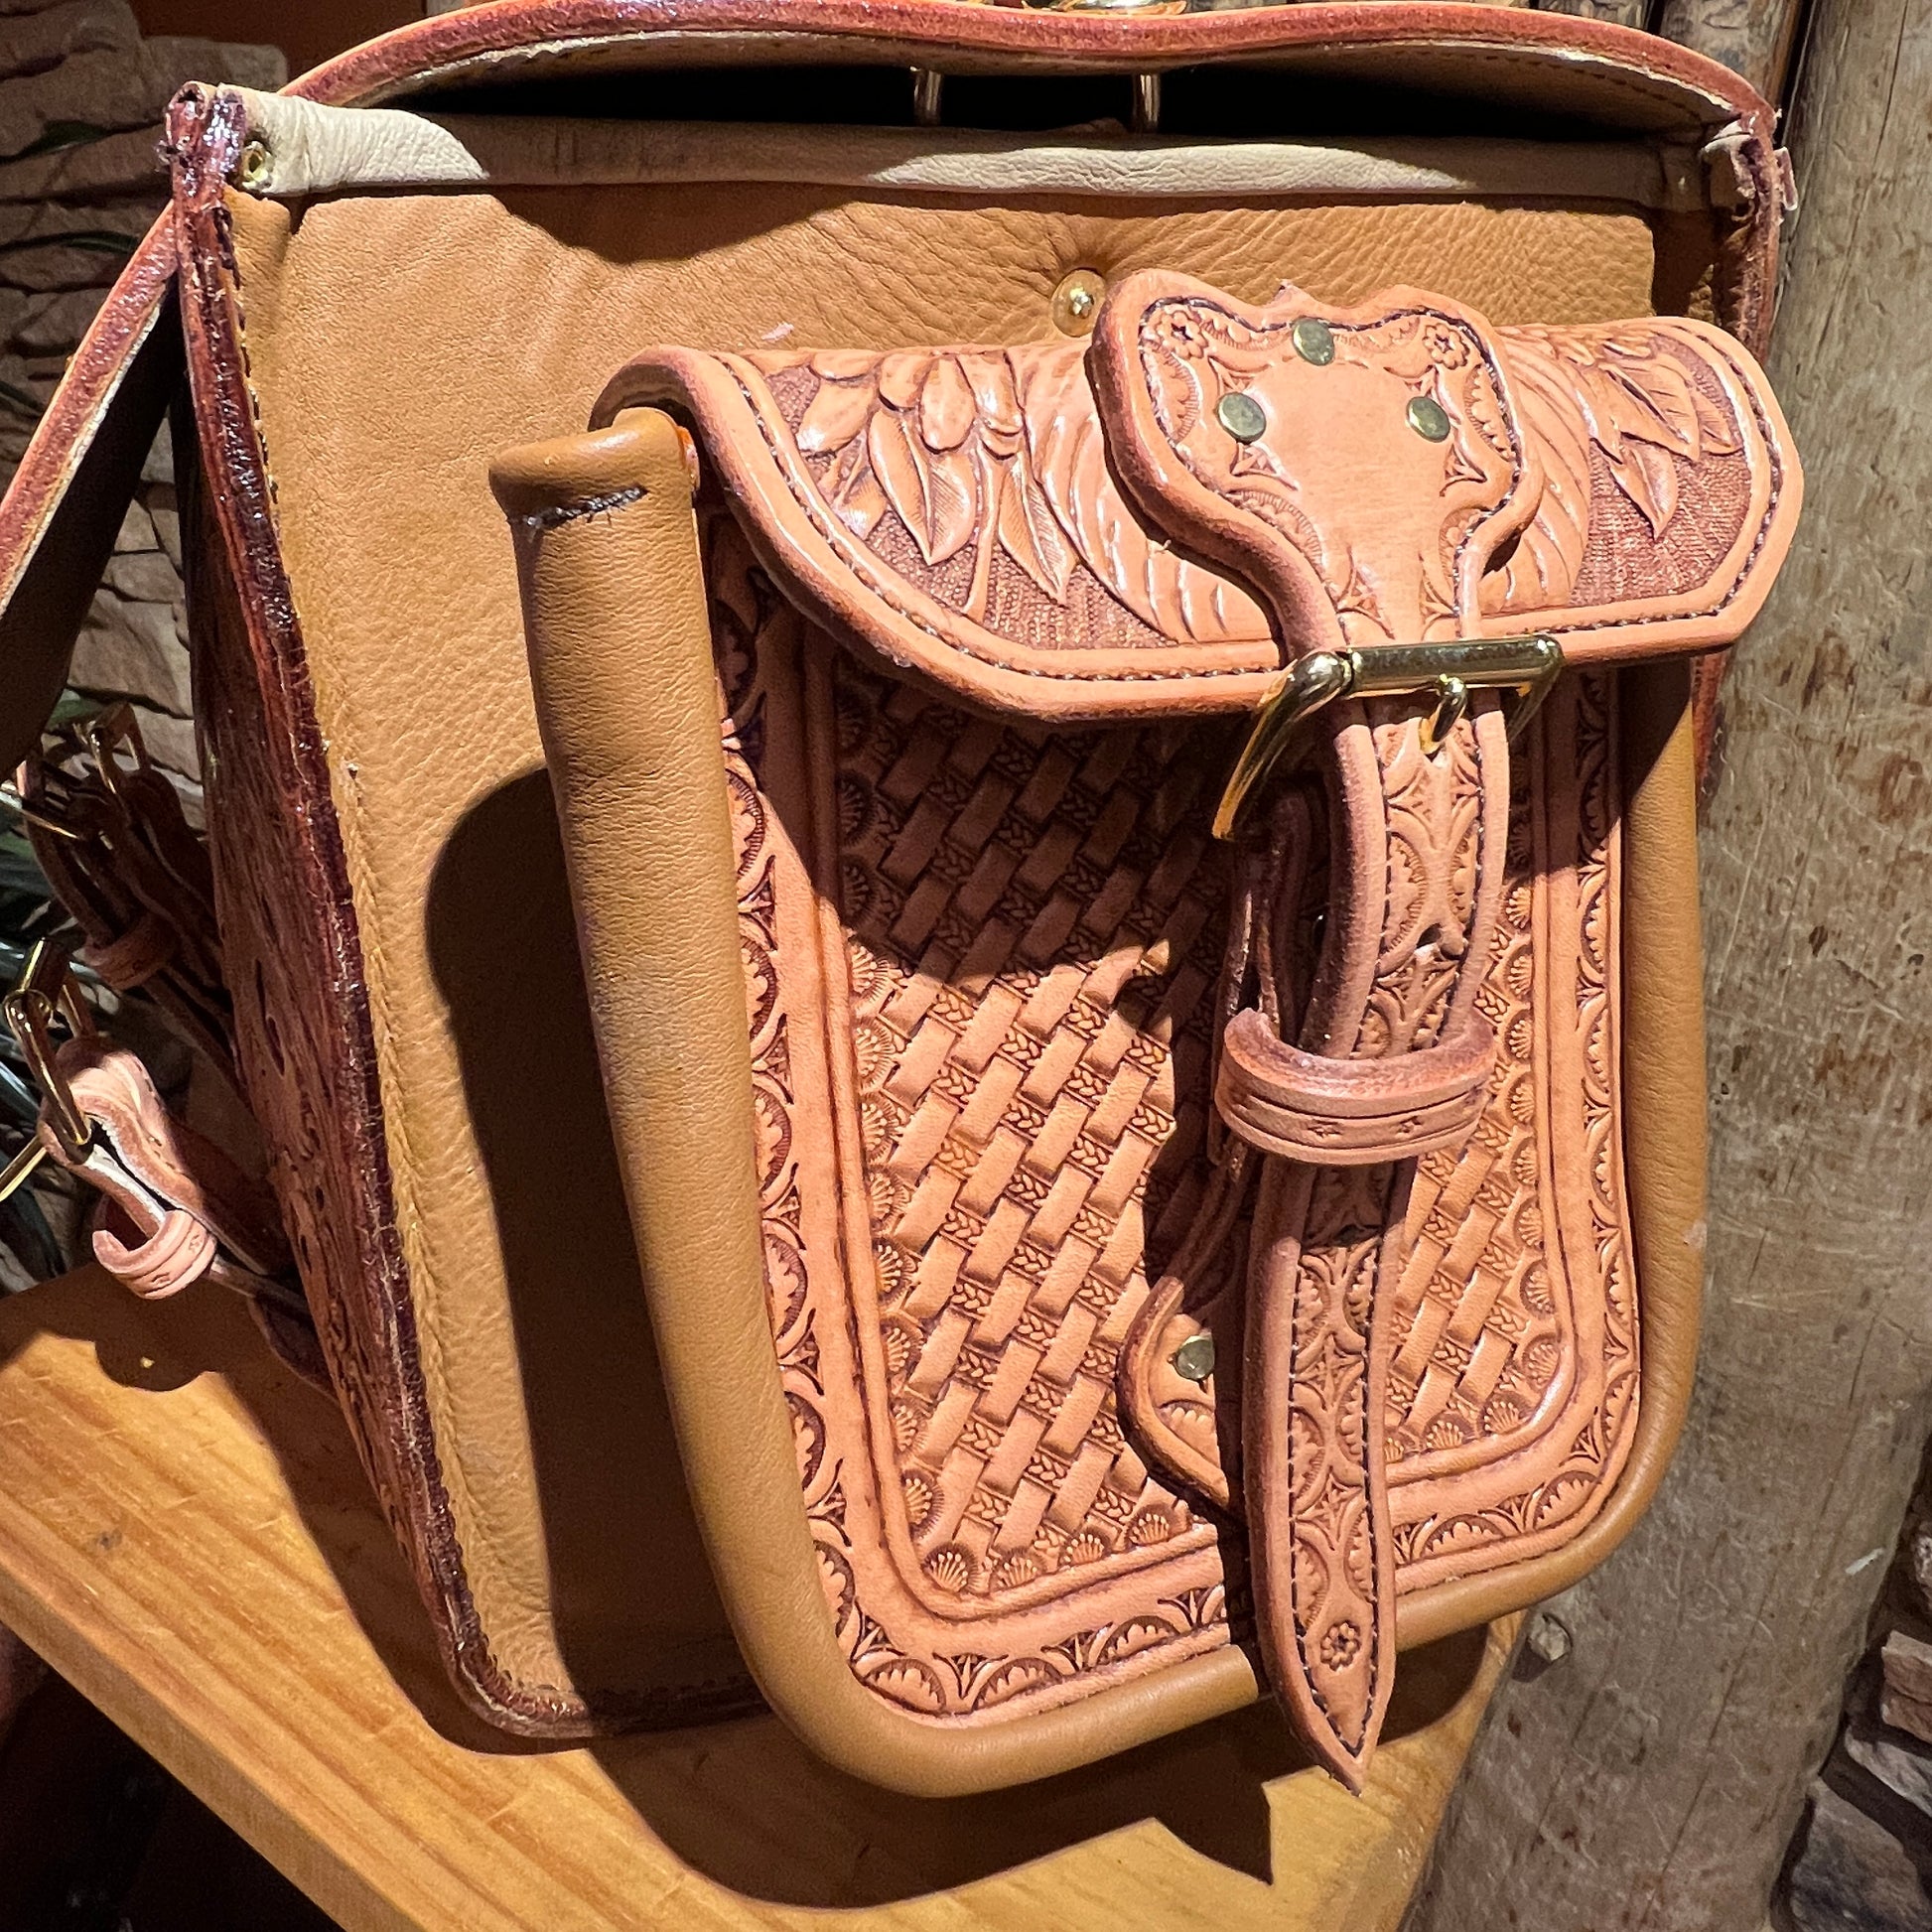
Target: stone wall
pixel 81 96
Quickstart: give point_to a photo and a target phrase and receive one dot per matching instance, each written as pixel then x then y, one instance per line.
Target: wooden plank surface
pixel 1651 1780
pixel 186 1534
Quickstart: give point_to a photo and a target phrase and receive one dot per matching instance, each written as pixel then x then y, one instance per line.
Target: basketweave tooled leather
pixel 1039 1078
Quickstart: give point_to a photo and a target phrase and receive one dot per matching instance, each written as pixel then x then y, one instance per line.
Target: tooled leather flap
pixel 1160 521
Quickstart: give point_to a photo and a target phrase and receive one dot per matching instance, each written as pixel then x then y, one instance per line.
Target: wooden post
pixel 1651 1779
pixel 1625 13
pixel 1755 38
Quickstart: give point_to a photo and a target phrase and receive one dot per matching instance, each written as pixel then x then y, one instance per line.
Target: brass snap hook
pixel 44 995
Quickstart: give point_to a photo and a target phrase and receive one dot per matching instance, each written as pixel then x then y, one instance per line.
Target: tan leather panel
pixel 404 584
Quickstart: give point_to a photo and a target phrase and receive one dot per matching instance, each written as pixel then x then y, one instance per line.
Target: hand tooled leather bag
pixel 1118 713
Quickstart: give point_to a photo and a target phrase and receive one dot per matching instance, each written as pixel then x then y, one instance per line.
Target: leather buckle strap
pixel 107 829
pixel 190 1210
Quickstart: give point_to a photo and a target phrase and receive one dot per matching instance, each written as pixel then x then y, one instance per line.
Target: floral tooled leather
pixel 960 511
pixel 1042 981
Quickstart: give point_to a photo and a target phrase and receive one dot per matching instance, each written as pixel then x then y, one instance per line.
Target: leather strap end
pixel 1316 1496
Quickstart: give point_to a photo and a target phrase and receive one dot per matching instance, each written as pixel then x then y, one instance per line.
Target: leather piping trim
pixel 625 846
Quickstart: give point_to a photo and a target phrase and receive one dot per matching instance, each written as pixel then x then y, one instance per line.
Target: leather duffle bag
pixel 950 827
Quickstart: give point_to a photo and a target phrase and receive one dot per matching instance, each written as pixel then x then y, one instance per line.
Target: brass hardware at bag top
pixel 108 733
pixel 1193 1360
pixel 1144 116
pixel 254 166
pixel 1526 665
pixel 100 737
pixel 1076 301
pixel 47 993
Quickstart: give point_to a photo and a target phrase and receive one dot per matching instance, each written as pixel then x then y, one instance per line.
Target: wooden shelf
pixel 186 1534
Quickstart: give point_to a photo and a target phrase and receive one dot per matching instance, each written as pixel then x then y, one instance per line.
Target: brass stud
pixel 1076 302
pixel 1241 416
pixel 1193 1360
pixel 252 169
pixel 1428 418
pixel 1314 340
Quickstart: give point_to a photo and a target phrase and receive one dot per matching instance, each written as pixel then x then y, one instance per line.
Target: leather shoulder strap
pixel 60 517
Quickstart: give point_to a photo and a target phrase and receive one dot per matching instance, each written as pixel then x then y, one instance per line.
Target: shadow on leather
pixel 629 1583
pixel 634 1605
pixel 819 1837
pixel 739 1801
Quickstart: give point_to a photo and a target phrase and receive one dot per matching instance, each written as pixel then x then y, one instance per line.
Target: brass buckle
pixel 104 737
pixel 1451 670
pixel 44 995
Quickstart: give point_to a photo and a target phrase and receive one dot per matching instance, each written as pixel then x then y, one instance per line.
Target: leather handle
pixel 618 629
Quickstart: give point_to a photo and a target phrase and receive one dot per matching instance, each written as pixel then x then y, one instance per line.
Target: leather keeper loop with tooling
pixel 1351 1113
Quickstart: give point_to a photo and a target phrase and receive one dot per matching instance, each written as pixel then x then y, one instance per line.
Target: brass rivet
pixel 1077 300
pixel 1314 340
pixel 1241 416
pixel 251 168
pixel 1193 1360
pixel 1428 418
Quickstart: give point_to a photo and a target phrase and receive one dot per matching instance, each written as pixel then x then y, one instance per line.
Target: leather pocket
pixel 1016 1027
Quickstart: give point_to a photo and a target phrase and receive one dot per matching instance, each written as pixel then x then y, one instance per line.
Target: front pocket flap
pixel 1156 523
